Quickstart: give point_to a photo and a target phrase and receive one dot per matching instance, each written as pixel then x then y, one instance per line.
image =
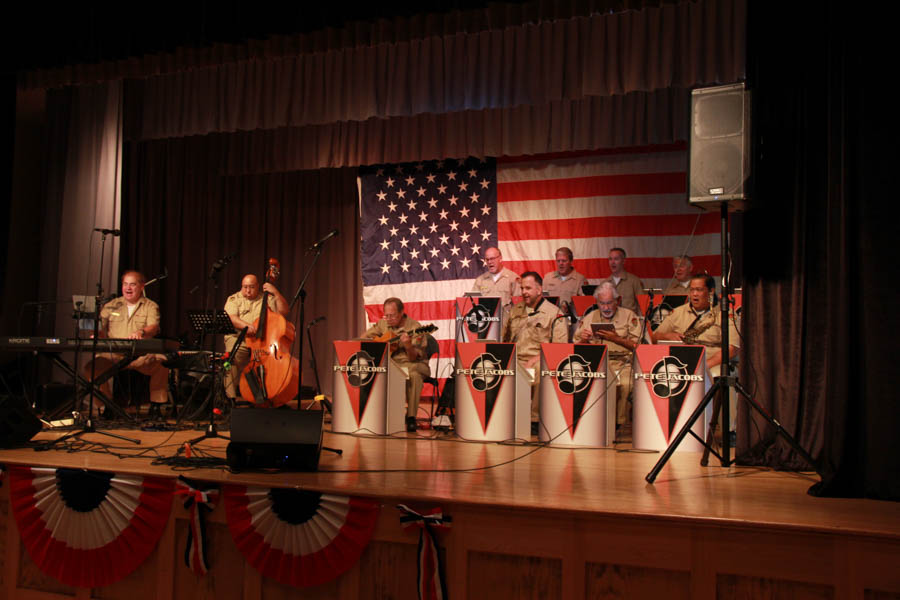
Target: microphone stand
pixel 301 295
pixel 312 353
pixel 88 426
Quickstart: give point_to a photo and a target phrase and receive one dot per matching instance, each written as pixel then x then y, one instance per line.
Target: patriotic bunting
pixel 430 571
pixel 298 537
pixel 199 499
pixel 88 528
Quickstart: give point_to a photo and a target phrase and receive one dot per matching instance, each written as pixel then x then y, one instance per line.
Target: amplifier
pixel 275 438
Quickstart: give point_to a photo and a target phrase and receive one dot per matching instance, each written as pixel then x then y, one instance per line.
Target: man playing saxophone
pixel 699 322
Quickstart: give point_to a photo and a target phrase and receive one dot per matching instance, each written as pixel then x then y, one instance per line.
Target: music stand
pixel 210 322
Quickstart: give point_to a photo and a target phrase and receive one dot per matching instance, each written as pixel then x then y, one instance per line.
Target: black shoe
pixel 534 428
pixel 411 424
pixel 155 411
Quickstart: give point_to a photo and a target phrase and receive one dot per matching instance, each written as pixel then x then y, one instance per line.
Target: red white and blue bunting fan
pixel 430 573
pixel 88 528
pixel 298 537
pixel 199 499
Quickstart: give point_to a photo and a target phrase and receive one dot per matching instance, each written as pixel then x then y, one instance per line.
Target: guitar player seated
pixel 407 352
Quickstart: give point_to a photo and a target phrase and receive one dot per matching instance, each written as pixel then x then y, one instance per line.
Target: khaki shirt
pixel 245 310
pixel 529 331
pixel 407 325
pixel 564 288
pixel 625 322
pixel 629 287
pixel 681 318
pixel 506 286
pixel 114 319
pixel 677 289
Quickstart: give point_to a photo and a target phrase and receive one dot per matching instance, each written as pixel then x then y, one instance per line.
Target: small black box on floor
pixel 274 438
pixel 17 423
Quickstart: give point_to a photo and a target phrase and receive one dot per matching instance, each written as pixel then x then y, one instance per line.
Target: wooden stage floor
pixel 512 500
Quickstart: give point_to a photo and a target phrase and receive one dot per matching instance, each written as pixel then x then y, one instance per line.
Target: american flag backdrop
pixel 425 226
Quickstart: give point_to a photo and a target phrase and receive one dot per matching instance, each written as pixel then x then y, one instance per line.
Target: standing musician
pixel 133 316
pixel 243 308
pixel 408 354
pixel 627 284
pixel 497 280
pixel 565 281
pixel 683 266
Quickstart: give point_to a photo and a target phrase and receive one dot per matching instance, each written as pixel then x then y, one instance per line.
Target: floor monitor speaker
pixel 275 438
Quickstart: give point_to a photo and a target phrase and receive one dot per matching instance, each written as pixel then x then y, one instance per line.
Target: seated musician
pixel 699 322
pixel 243 308
pixel 621 341
pixel 532 322
pixel 408 352
pixel 133 316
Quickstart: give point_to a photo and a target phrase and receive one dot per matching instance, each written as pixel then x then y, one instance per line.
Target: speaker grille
pixel 720 152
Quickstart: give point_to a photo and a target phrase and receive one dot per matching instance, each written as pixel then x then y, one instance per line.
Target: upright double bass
pixel 271 377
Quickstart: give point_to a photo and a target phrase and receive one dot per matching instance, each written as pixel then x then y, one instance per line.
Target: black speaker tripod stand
pixel 721 387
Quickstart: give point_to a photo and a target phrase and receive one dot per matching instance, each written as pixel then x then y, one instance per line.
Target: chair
pixel 432 349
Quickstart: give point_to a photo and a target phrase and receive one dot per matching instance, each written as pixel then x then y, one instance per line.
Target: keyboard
pixel 117 346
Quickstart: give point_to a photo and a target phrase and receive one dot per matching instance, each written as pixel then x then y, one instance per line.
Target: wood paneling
pixel 502 577
pixel 603 581
pixel 388 570
pixel 736 587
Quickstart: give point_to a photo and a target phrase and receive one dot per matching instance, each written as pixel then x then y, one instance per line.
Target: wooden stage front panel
pixel 527 523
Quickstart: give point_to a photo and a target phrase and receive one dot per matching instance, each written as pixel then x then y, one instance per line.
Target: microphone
pixel 314 321
pixel 113 232
pixel 327 237
pixel 553 324
pixel 220 264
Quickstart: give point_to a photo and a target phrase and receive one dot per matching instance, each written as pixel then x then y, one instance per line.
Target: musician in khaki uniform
pixel 620 343
pixel 133 316
pixel 410 352
pixel 498 280
pixel 565 281
pixel 698 322
pixel 243 308
pixel 683 266
pixel 627 284
pixel 532 322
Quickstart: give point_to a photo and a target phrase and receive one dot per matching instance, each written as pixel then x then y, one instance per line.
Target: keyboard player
pixel 133 316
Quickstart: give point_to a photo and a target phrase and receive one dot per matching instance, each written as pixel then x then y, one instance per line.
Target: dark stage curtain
pixel 182 214
pixel 820 274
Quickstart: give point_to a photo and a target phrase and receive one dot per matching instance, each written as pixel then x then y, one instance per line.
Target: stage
pixel 528 522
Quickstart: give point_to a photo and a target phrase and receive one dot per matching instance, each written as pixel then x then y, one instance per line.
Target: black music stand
pixel 210 323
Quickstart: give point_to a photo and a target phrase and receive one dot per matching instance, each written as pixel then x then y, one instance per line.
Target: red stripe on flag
pixel 674 147
pixel 590 227
pixel 600 185
pixel 598 268
pixel 424 312
pixel 448 348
